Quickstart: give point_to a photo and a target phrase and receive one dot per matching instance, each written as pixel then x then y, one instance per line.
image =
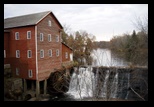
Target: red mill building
pixel 33 47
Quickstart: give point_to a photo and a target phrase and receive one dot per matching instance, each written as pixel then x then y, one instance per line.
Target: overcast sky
pixel 101 20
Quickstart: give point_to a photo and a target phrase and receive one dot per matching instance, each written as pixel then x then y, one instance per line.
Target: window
pixel 30 73
pixel 28 34
pixel 50 52
pixel 17 54
pixel 49 37
pixel 42 53
pixel 17 36
pixel 66 55
pixel 57 52
pixel 41 36
pixel 61 36
pixel 4 54
pixel 29 54
pixel 71 56
pixel 57 38
pixel 17 71
pixel 49 23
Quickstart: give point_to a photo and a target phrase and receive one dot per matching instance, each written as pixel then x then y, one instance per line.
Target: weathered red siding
pixel 44 66
pixel 64 50
pixel 47 64
pixel 6 46
pixel 23 44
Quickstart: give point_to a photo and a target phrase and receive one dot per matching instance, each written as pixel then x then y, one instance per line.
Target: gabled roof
pixel 66 45
pixel 27 20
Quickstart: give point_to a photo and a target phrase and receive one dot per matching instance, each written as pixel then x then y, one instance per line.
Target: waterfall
pixel 128 85
pixel 101 84
pixel 114 86
pixel 104 89
pixel 96 81
pixel 81 84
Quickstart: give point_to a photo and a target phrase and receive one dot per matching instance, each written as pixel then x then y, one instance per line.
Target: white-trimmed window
pixel 49 22
pixel 57 52
pixel 50 52
pixel 17 71
pixel 30 73
pixel 16 35
pixel 61 36
pixel 41 36
pixel 57 38
pixel 71 56
pixel 4 53
pixel 28 34
pixel 49 37
pixel 66 55
pixel 17 54
pixel 41 53
pixel 29 54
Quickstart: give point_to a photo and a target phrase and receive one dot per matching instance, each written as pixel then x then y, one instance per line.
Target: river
pixel 105 57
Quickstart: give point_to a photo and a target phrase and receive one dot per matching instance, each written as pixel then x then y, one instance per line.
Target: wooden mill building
pixel 33 47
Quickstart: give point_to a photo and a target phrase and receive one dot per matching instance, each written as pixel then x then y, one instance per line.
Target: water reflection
pixel 104 57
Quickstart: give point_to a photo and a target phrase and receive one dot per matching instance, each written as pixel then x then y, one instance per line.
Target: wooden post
pixel 37 89
pixel 25 88
pixel 45 87
pixel 25 85
pixel 32 85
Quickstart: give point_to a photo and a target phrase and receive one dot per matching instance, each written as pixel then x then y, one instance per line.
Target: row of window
pixel 29 53
pixel 17 35
pixel 49 53
pixel 49 37
pixel 41 36
pixel 30 73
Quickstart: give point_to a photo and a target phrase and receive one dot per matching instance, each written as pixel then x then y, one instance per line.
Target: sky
pixel 101 20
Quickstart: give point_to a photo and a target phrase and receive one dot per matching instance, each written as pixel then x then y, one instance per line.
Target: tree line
pixel 133 47
pixel 82 44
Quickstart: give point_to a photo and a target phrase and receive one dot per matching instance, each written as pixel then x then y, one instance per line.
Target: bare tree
pixel 141 23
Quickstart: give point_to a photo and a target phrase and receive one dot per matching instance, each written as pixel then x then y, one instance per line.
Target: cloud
pixel 98 19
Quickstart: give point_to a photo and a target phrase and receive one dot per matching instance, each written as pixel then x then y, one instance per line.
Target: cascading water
pixel 81 84
pixel 128 75
pixel 114 86
pixel 123 84
pixel 101 84
pixel 104 89
pixel 85 84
